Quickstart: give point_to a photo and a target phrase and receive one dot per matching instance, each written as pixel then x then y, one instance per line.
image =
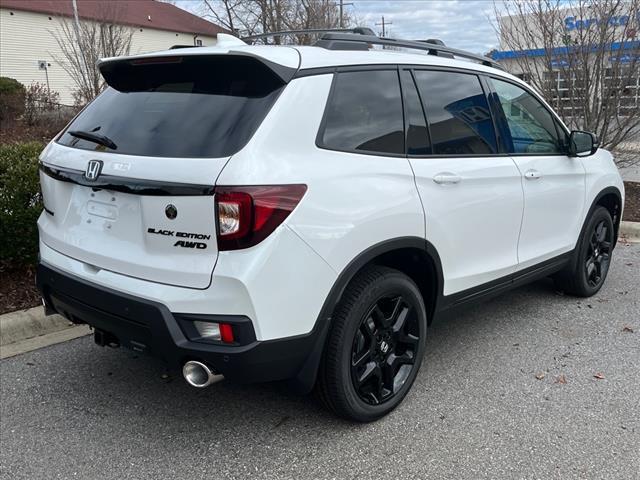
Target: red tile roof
pixel 139 13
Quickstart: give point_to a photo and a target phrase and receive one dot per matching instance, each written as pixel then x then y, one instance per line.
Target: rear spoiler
pixel 117 70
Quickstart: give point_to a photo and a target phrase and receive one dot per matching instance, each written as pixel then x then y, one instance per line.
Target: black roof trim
pixel 338 41
pixel 356 31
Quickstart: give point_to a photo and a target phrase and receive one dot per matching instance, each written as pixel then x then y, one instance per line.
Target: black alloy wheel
pixel 598 255
pixel 384 349
pixel 375 345
pixel 587 271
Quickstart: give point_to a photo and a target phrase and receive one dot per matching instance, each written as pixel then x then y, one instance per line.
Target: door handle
pixel 446 178
pixel 532 174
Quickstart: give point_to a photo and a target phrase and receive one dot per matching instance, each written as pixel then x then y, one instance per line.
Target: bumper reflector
pixel 221 332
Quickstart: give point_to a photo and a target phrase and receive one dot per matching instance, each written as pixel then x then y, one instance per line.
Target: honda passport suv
pixel 303 213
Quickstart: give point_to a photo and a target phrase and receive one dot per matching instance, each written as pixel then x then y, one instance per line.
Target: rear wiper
pixel 93 137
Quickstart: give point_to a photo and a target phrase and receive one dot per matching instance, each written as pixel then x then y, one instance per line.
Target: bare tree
pixel 237 16
pixel 583 56
pixel 250 17
pixel 84 44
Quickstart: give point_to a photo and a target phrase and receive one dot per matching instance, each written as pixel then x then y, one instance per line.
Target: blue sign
pixel 571 23
pixel 627 58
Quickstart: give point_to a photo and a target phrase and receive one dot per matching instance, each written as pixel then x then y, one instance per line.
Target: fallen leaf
pixel 599 376
pixel 627 329
pixel 561 379
pixel 628 264
pixel 540 375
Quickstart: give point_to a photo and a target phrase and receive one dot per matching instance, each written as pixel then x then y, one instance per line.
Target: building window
pixel 198 43
pixel 568 88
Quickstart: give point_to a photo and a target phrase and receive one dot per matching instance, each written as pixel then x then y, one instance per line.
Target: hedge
pixel 20 203
pixel 12 94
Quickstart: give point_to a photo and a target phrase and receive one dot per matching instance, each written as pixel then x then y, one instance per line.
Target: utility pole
pixel 342 4
pixel 76 26
pixel 384 24
pixel 76 23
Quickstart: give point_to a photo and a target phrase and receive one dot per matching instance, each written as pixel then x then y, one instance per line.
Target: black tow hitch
pixel 105 339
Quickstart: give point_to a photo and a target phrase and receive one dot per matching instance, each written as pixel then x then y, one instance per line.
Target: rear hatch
pixel 128 186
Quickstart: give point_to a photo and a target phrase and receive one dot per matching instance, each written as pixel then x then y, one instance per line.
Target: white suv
pixel 265 213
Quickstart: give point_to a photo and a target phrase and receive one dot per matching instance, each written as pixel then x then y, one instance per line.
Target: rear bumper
pixel 149 327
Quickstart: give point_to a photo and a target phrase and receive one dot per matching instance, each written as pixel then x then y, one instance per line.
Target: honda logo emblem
pixel 94 167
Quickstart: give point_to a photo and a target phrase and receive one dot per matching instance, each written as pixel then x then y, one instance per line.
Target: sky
pixel 461 24
pixel 464 24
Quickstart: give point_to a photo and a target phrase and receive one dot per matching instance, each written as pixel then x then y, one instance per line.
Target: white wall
pixel 26 37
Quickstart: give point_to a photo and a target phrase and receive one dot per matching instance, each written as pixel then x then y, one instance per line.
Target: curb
pixel 630 232
pixel 27 330
pixel 35 343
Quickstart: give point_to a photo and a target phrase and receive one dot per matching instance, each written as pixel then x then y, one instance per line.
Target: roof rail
pixel 346 41
pixel 176 47
pixel 357 31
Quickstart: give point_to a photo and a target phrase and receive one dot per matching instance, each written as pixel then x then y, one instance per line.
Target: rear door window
pixel 364 113
pixel 459 118
pixel 178 107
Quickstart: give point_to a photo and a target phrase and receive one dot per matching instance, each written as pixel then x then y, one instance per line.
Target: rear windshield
pixel 177 107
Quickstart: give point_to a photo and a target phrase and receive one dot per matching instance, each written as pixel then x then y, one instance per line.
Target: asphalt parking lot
pixel 507 390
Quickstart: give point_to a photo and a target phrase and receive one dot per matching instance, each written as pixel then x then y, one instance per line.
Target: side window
pixel 530 126
pixel 459 117
pixel 417 133
pixel 364 113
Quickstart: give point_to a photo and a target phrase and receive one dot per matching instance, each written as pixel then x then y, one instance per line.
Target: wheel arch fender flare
pixel 305 379
pixel 595 203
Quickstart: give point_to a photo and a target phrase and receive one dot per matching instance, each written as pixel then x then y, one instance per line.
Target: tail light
pixel 248 215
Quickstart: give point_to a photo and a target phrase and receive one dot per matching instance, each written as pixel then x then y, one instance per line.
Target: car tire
pixel 375 345
pixel 589 267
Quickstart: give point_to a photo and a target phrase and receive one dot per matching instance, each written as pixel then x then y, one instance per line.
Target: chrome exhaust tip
pixel 198 375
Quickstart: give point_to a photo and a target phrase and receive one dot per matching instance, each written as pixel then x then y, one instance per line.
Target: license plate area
pixel 102 210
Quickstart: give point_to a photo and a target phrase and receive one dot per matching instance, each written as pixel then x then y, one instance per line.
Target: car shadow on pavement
pixel 108 382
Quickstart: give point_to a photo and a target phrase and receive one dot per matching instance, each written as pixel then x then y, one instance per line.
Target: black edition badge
pixel 183 243
pixel 157 231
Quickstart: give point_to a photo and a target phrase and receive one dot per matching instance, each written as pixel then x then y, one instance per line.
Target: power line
pixel 384 24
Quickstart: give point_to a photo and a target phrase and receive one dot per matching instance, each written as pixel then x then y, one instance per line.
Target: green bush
pixel 11 100
pixel 10 85
pixel 20 203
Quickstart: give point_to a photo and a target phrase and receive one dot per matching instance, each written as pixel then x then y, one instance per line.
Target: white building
pixel 572 39
pixel 29 51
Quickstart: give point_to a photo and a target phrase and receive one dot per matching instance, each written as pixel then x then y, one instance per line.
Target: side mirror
pixel 582 144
